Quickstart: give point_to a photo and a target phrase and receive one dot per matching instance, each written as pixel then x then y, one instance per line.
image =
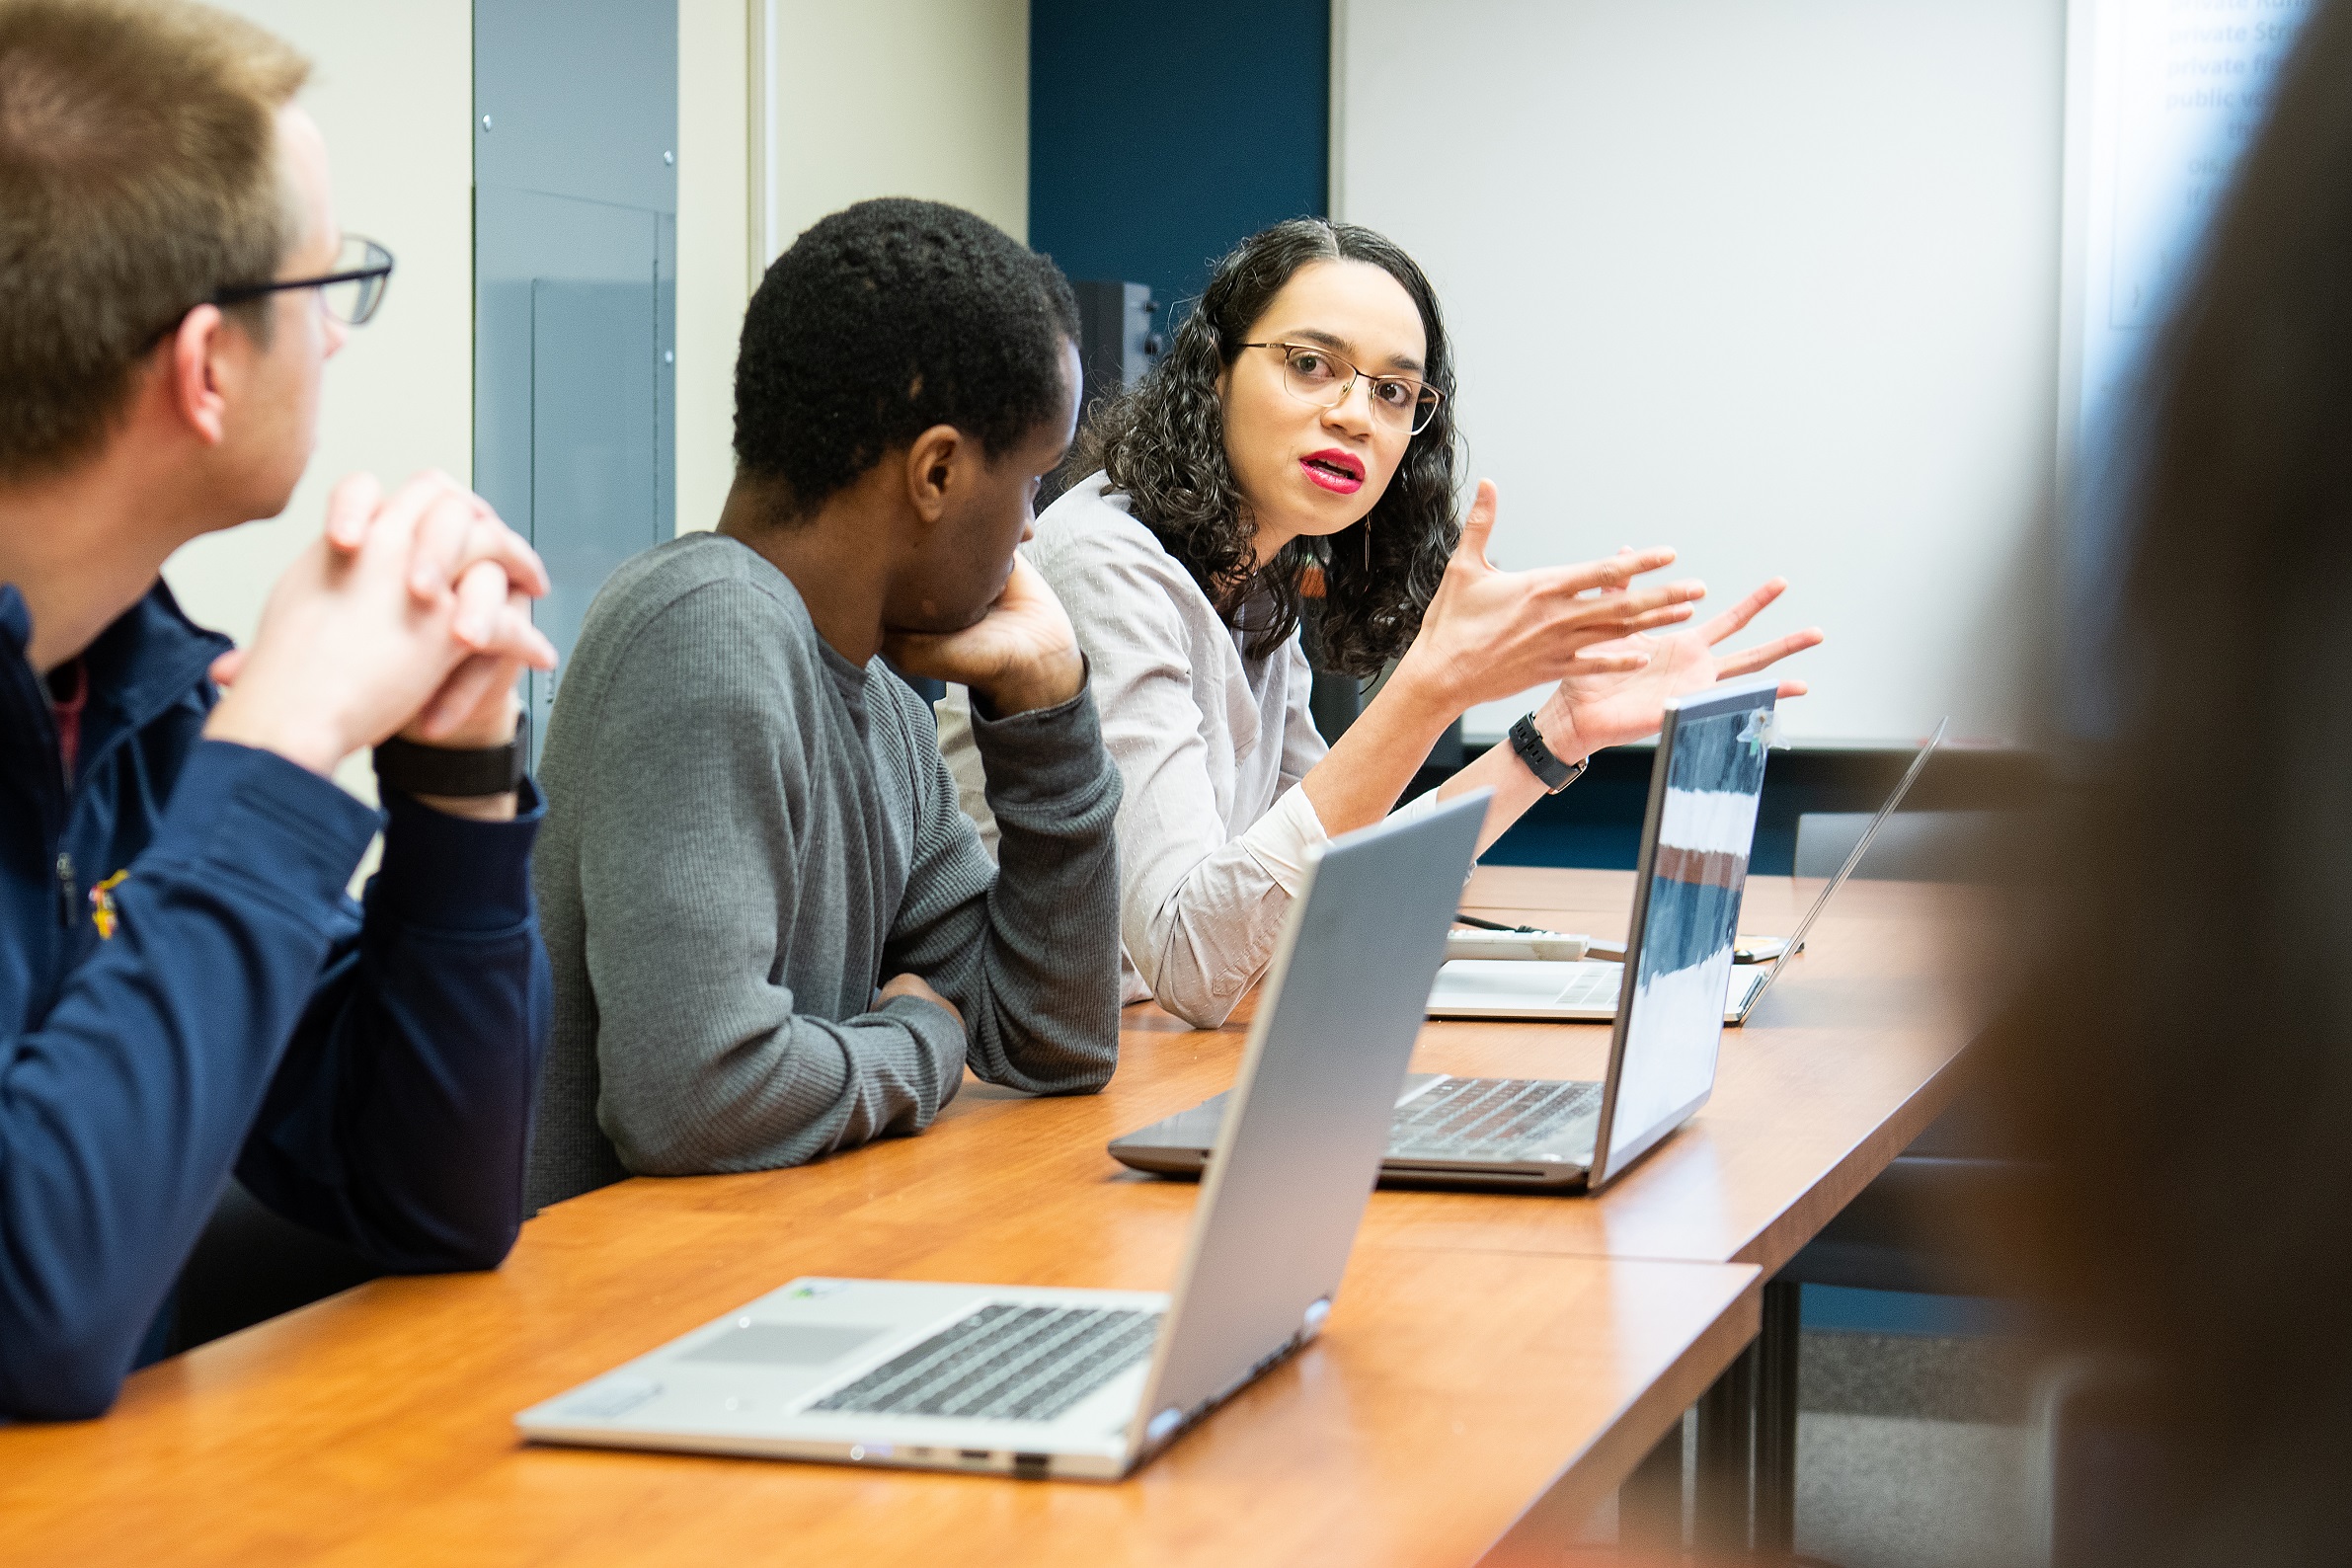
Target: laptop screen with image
pixel 1670 1024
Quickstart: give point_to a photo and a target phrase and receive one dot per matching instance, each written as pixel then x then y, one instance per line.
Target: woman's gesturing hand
pixel 1489 634
pixel 1629 702
pixel 412 603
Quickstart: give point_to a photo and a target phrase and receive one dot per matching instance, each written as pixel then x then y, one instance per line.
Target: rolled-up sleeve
pixel 1028 951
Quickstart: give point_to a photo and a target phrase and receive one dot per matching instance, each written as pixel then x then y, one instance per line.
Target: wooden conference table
pixel 1497 1365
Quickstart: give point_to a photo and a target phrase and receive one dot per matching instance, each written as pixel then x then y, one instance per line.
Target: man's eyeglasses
pixel 1316 375
pixel 350 293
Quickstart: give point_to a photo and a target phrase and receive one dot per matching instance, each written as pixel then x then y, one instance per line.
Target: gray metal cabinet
pixel 575 289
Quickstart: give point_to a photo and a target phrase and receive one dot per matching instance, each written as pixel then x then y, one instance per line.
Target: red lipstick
pixel 1340 472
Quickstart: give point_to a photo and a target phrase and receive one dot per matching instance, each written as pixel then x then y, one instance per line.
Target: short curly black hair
pixel 881 321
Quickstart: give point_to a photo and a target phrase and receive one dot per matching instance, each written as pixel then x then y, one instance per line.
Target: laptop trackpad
pixel 785 1344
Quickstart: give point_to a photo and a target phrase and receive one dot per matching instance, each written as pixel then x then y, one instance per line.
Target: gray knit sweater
pixel 745 835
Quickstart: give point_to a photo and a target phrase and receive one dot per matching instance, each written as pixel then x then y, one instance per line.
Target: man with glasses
pixel 186 989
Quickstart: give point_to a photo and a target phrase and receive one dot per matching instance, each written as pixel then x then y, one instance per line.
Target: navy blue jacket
pixel 366 1071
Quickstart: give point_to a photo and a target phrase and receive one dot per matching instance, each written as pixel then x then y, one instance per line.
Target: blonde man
pixel 185 988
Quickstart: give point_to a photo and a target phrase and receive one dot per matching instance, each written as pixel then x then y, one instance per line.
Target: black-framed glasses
pixel 1316 375
pixel 350 293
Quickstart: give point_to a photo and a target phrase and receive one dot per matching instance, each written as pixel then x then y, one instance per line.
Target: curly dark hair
pixel 1163 444
pixel 881 321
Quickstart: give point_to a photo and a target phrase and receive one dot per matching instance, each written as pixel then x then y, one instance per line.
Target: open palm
pixel 1614 708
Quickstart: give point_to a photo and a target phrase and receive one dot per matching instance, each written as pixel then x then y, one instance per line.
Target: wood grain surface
pixel 1492 1360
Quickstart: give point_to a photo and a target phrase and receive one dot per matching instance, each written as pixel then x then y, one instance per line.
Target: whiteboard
pixel 1774 281
pixel 2163 96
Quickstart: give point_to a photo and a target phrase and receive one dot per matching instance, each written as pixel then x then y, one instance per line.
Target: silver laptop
pixel 1091 1384
pixel 1556 1134
pixel 1586 991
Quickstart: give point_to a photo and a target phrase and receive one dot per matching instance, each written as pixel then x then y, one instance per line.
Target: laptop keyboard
pixel 1004 1363
pixel 1489 1116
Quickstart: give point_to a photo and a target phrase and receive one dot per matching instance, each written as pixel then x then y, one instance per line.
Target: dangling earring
pixel 1368 549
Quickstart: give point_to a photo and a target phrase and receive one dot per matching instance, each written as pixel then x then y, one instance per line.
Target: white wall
pixel 714 204
pixel 1776 284
pixel 392 88
pixel 919 98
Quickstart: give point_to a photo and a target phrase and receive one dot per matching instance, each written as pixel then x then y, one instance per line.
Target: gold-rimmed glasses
pixel 1316 375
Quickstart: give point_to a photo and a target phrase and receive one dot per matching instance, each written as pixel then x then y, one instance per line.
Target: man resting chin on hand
pixel 775 934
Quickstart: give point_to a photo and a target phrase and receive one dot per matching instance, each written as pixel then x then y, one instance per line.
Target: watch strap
pixel 415 769
pixel 1555 776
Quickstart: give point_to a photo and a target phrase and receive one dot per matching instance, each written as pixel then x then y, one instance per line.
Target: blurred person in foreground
pixel 2197 1224
pixel 186 989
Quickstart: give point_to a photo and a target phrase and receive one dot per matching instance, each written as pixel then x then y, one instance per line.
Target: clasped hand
pixel 409 614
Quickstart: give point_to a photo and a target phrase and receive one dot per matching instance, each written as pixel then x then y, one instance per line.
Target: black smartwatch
pixel 415 769
pixel 1554 774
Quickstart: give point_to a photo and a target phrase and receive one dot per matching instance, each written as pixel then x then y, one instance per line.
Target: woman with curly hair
pixel 1300 433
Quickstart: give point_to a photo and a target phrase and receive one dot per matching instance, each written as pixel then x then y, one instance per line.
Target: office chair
pixel 2097 1467
pixel 1913 846
pixel 1962 1161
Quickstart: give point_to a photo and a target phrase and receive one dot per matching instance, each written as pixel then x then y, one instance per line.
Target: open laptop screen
pixel 1703 792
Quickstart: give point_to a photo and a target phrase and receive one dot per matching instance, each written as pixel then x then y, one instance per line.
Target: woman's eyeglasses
pixel 350 293
pixel 1316 375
